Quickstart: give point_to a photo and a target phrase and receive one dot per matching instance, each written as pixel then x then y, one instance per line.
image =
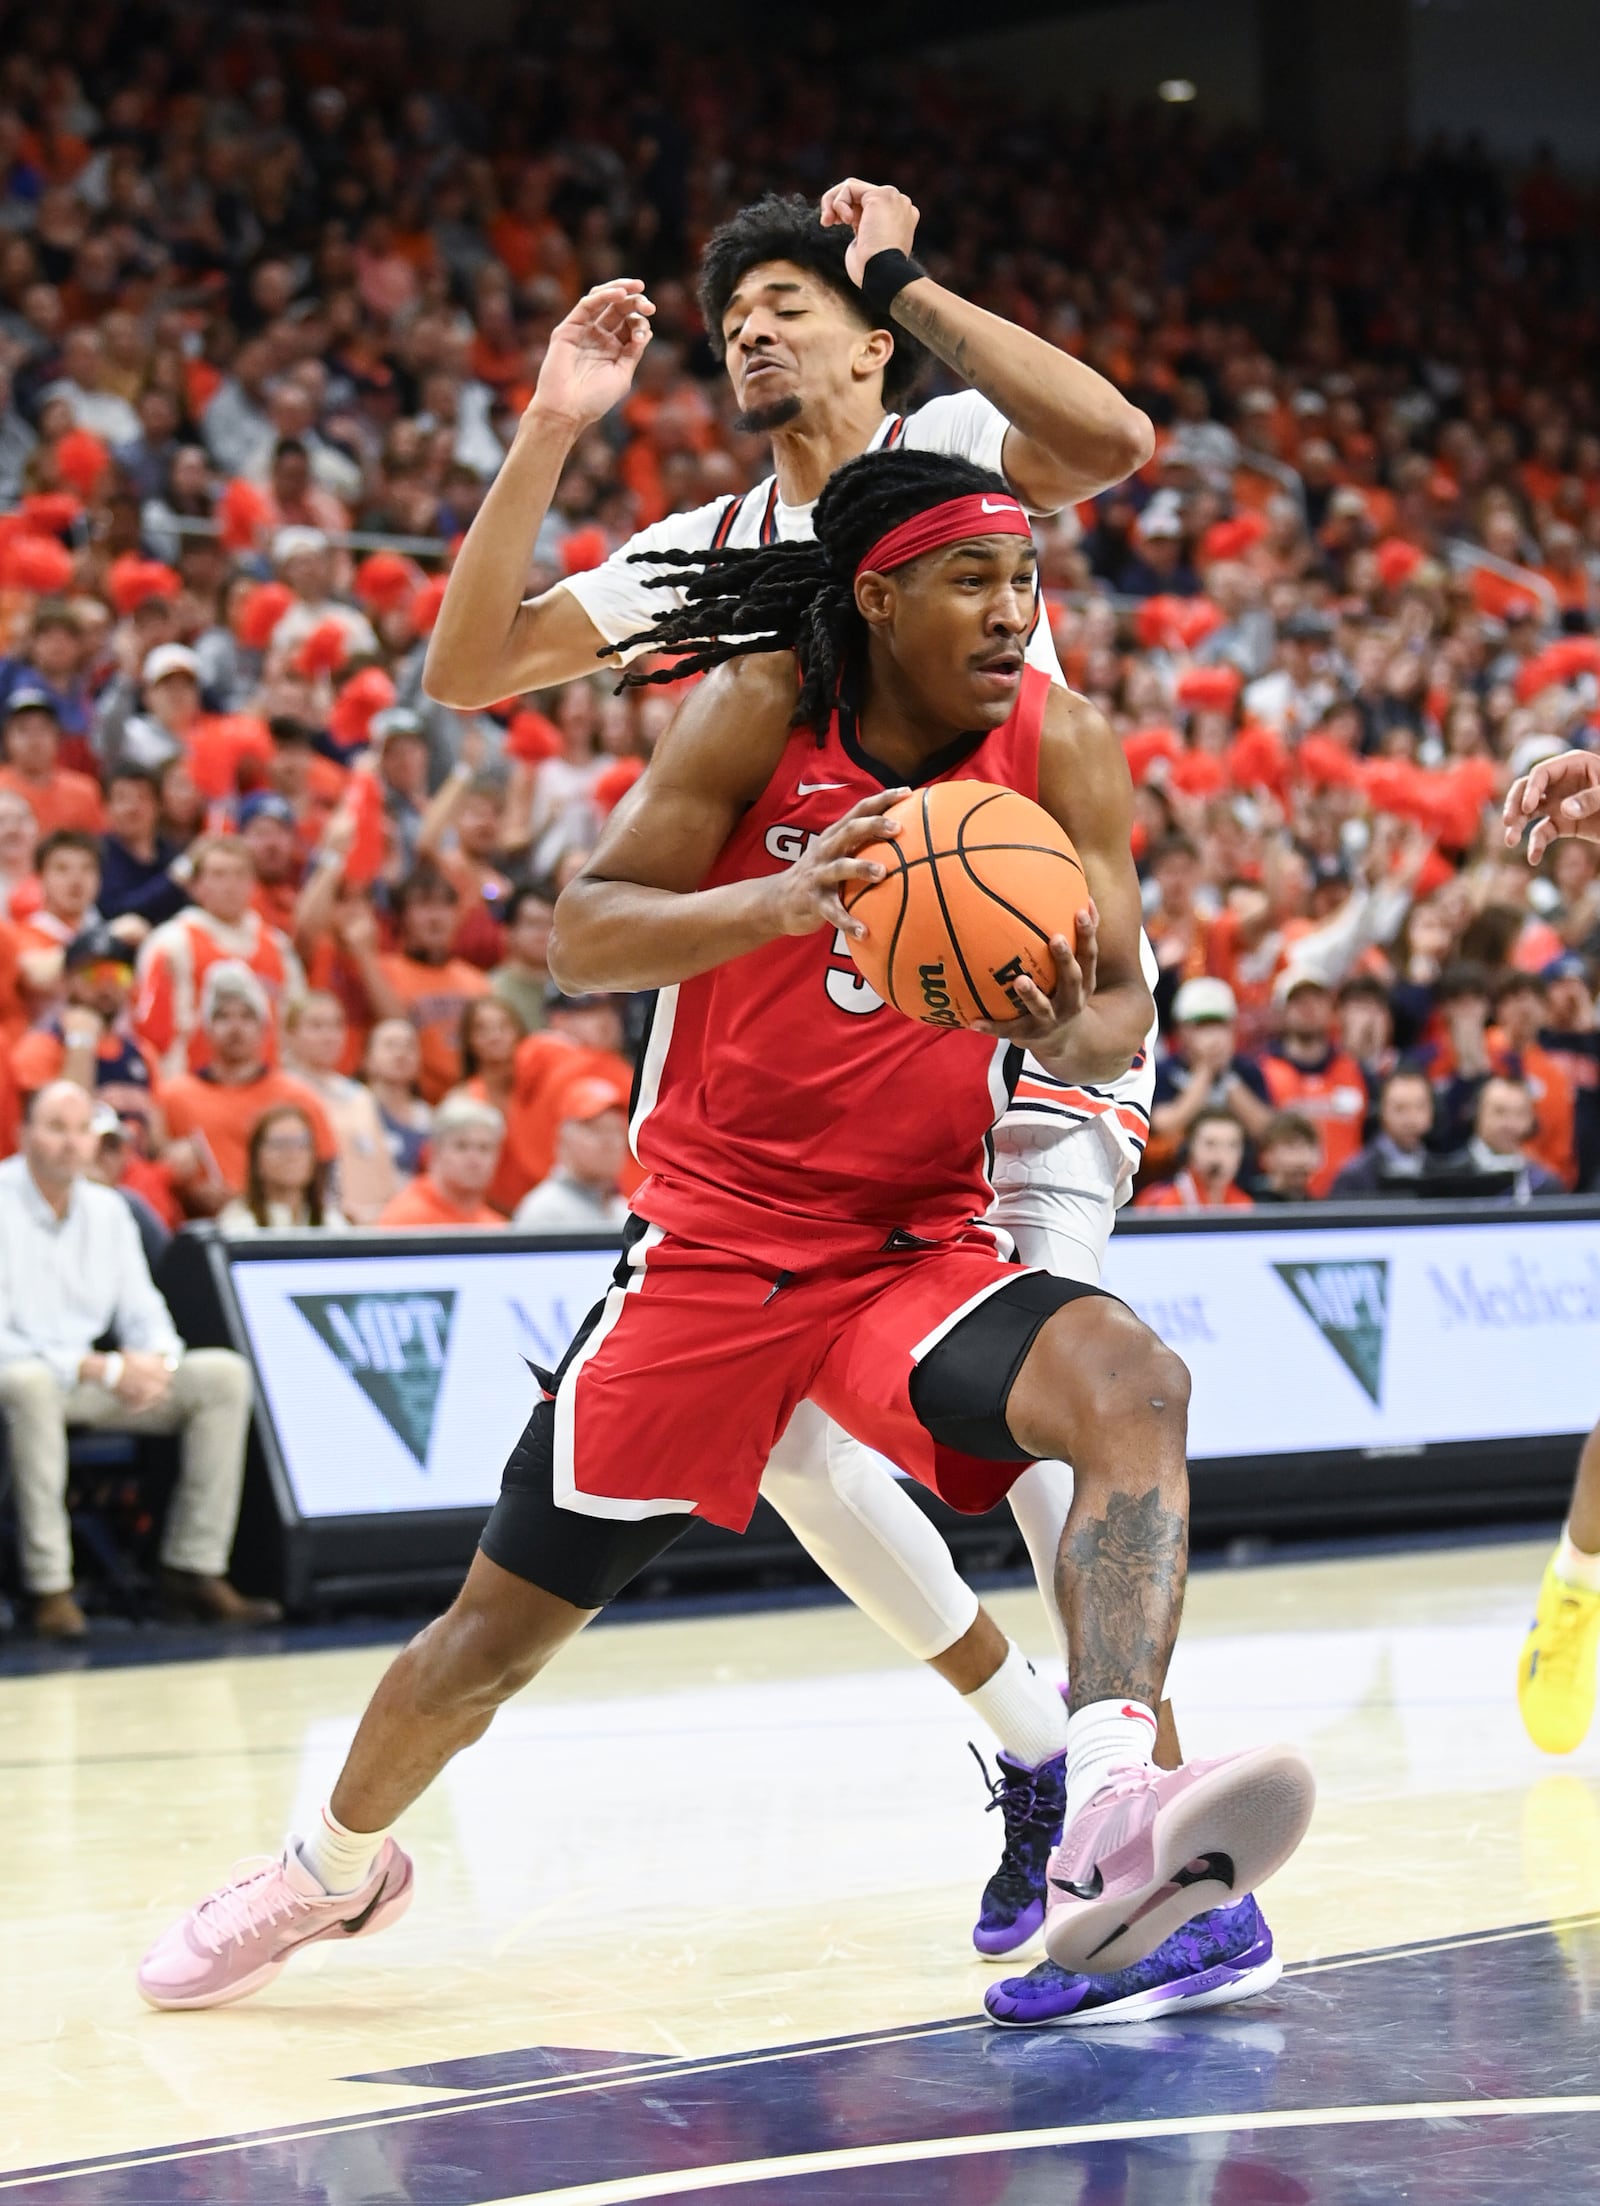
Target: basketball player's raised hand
pixel 1045 1021
pixel 589 362
pixel 880 216
pixel 1561 796
pixel 806 896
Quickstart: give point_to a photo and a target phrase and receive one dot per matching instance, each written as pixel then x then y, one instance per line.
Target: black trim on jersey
pixel 636 1085
pixel 897 429
pixel 769 519
pixel 954 753
pixel 724 527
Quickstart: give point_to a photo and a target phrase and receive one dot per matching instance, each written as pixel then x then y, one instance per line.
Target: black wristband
pixel 886 276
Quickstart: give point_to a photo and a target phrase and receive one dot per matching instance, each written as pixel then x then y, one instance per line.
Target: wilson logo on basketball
pixel 940 1011
pixel 1008 976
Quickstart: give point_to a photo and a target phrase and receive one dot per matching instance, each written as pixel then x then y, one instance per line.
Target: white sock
pixel 1574 1567
pixel 1107 1735
pixel 1026 1713
pixel 340 1860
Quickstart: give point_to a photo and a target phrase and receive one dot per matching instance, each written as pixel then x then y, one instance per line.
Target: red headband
pixel 976 515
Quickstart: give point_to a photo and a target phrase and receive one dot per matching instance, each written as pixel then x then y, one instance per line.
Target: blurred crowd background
pixel 271 302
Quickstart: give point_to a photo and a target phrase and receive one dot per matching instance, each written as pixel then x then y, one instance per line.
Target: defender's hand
pixel 1044 1024
pixel 806 897
pixel 589 362
pixel 1561 796
pixel 880 216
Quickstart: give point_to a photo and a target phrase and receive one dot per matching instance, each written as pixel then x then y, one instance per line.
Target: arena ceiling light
pixel 1176 91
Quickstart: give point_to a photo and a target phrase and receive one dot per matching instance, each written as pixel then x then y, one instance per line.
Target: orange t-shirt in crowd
pixel 66 799
pixel 544 1069
pixel 1188 1193
pixel 421 1204
pixel 435 997
pixel 275 901
pixel 1333 1096
pixel 198 1103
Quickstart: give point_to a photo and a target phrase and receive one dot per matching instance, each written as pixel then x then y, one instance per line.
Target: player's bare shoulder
pixel 1082 769
pixel 734 726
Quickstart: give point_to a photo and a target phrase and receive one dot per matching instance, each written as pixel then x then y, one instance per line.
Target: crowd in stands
pixel 268 295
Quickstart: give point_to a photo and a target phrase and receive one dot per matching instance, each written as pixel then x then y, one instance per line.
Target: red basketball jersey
pixel 784 1110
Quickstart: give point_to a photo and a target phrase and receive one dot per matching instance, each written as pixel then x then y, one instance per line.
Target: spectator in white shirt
pixel 583 1192
pixel 72 1271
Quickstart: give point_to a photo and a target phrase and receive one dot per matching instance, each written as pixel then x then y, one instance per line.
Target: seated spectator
pixel 1307 1072
pixel 89 1038
pixel 210 1113
pixel 69 884
pixel 285 1182
pixel 1203 1070
pixel 50 661
pixel 314 1037
pixel 1397 1158
pixel 523 974
pixel 135 857
pixel 582 1040
pixel 1520 1011
pixel 304 560
pixel 1209 1179
pixel 56 796
pixel 1177 928
pixel 1572 1033
pixel 1502 1134
pixel 421 981
pixel 1459 1062
pixel 72 1272
pixel 462 1156
pixel 220 927
pixel 491 1033
pixel 108 1167
pixel 268 830
pixel 461 834
pixel 584 1192
pixel 391 1068
pixel 1289 1159
pixel 1366 1029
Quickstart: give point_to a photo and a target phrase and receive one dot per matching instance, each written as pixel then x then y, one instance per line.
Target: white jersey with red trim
pixel 618 598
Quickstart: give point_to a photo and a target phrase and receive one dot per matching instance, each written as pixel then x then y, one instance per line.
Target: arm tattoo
pixel 924 320
pixel 1120 1584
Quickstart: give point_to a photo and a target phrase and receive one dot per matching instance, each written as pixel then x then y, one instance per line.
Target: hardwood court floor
pixel 705 1837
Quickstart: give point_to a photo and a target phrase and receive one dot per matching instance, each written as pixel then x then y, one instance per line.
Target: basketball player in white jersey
pixel 824 325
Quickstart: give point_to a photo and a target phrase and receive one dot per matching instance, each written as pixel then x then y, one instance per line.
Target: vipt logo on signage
pixel 1349 1305
pixel 394 1346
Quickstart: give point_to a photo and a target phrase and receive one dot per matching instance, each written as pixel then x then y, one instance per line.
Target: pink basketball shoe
pixel 1156 1847
pixel 236 1941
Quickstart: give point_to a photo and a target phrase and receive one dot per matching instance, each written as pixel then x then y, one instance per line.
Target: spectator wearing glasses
pixel 286 1182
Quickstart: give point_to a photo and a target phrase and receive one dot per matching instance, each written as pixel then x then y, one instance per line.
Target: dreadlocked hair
pixel 797 597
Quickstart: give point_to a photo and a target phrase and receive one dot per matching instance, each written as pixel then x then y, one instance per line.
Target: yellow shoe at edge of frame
pixel 1556 1675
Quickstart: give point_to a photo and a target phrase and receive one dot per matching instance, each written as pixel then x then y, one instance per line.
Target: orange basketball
pixel 977 881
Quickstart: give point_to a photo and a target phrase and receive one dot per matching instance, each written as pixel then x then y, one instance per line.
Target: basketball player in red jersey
pixel 1556 1669
pixel 824 322
pixel 809 1226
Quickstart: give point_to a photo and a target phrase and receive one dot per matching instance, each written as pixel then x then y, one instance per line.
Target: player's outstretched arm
pixel 1561 796
pixel 487 642
pixel 1072 433
pixel 1097 1022
pixel 637 916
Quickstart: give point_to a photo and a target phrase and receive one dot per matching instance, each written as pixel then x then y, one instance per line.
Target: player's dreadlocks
pixel 798 597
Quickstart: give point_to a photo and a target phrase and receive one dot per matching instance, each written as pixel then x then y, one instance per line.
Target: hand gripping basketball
pixel 808 894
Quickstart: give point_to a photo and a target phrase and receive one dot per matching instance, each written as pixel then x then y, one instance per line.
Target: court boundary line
pixel 632 2068
pixel 795 2167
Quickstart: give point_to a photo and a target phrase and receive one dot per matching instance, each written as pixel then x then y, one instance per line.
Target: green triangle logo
pixel 395 1347
pixel 1348 1303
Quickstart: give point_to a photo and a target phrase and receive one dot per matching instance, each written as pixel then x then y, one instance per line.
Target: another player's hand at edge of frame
pixel 592 352
pixel 1043 1022
pixel 807 895
pixel 1561 796
pixel 881 215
